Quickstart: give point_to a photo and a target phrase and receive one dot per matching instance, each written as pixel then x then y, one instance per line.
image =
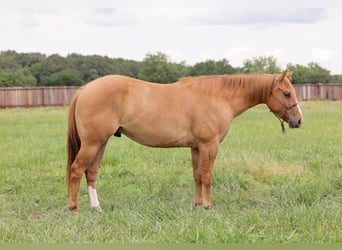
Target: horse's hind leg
pixel 84 159
pixel 91 175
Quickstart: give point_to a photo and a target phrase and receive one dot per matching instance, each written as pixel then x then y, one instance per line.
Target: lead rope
pixel 283 130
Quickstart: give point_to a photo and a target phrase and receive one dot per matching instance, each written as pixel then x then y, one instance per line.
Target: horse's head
pixel 282 100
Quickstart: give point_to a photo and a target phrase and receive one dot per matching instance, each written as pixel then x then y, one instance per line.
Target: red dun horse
pixel 195 112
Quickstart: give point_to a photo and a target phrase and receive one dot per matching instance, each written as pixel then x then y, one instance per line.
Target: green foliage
pixel 158 68
pixel 211 67
pixel 9 60
pixel 336 78
pixel 261 64
pixel 64 78
pixel 76 69
pixel 12 60
pixel 92 67
pixel 51 65
pixel 312 73
pixel 20 77
pixel 73 69
pixel 29 59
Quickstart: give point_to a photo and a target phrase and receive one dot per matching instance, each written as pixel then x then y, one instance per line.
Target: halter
pixel 283 104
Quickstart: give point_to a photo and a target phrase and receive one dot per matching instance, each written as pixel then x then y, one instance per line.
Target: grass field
pixel 267 187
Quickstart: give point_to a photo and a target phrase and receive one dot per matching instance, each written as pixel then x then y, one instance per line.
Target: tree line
pixel 37 69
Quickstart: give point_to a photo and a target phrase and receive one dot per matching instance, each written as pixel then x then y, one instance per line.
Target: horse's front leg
pixel 197 176
pixel 207 156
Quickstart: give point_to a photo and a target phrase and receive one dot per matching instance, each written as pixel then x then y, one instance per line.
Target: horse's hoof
pixel 97 209
pixel 73 211
pixel 208 207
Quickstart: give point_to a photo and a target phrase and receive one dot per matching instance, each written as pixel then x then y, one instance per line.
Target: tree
pixel 312 73
pixel 64 78
pixel 16 78
pixel 29 59
pixel 261 64
pixel 94 66
pixel 44 69
pixel 9 60
pixel 211 67
pixel 158 68
pixel 126 67
pixel 336 78
pixel 27 69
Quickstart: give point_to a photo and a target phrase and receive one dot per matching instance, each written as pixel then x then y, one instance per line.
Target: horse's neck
pixel 249 97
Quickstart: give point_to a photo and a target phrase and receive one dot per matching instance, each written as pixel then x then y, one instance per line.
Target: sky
pixel 189 32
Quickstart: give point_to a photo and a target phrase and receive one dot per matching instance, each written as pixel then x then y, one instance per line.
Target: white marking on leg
pixel 94 201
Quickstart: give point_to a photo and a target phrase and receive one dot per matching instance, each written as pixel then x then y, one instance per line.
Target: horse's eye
pixel 287 94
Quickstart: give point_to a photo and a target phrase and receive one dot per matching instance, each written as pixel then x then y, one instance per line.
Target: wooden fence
pixel 61 96
pixel 331 91
pixel 36 96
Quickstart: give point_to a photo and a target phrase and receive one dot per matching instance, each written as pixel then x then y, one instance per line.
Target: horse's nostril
pixel 299 121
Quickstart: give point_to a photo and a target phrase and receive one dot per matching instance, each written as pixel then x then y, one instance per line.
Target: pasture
pixel 267 187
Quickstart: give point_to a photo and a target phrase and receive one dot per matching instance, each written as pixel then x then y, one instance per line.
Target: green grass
pixel 267 187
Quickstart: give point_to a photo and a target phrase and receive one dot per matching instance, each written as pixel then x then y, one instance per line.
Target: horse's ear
pixel 287 73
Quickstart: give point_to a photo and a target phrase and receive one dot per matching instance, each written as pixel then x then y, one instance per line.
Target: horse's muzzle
pixel 295 123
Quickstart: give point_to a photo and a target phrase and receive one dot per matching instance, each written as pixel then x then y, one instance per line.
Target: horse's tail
pixel 73 139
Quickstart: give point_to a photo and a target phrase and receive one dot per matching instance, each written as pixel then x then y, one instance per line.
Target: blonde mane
pixel 255 85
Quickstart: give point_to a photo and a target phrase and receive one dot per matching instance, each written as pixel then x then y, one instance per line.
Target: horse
pixel 195 112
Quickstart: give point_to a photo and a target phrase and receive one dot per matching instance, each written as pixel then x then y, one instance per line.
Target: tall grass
pixel 267 187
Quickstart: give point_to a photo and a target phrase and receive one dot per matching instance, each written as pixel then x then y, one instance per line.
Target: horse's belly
pixel 159 138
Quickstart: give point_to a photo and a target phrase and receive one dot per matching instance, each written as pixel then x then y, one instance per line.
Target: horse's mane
pixel 227 85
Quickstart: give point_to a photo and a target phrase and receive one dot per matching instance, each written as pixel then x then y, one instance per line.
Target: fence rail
pixel 36 96
pixel 331 91
pixel 61 96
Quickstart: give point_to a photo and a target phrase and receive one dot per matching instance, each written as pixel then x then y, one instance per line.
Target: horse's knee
pixel 197 178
